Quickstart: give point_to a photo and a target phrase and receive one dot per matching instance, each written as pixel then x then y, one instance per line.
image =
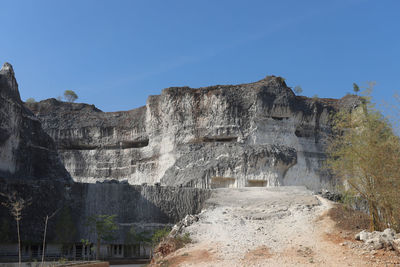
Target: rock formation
pixel 256 134
pixel 26 151
pixel 29 163
pixel 30 166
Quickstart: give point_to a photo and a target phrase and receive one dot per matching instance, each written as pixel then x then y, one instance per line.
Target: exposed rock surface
pixel 31 167
pixel 332 196
pixel 146 208
pixel 26 151
pixel 378 240
pixel 256 134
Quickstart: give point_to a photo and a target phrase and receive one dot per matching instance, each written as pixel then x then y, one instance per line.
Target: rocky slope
pixel 281 226
pixel 256 134
pixel 26 151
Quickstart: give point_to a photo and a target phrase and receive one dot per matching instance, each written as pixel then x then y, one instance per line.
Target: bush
pixel 160 235
pixel 182 240
pixel 169 245
pixel 365 155
pixel 30 100
pixel 298 90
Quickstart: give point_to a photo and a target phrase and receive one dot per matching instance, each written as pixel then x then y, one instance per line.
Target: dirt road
pixel 282 226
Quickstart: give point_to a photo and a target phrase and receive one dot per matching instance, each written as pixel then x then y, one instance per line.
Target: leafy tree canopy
pixel 104 226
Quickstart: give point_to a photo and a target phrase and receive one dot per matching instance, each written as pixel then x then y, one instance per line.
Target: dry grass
pixel 348 219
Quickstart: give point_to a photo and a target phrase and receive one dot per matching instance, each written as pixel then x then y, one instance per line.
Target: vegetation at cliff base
pixel 16 204
pixel 104 227
pixel 365 155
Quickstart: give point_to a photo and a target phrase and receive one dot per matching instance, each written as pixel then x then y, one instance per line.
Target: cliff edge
pixel 255 134
pixel 26 151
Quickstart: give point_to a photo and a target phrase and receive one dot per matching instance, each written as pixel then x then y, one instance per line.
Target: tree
pixel 46 219
pixel 298 90
pixel 134 237
pixel 365 154
pixel 85 247
pixel 104 226
pixel 356 88
pixel 70 95
pixel 30 100
pixel 16 205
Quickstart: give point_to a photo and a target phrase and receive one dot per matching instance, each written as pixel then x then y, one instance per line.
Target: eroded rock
pixel 26 151
pixel 379 240
pixel 256 134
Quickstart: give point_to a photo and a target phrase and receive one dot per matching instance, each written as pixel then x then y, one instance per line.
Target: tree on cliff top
pixel 356 88
pixel 104 226
pixel 70 95
pixel 365 154
pixel 30 100
pixel 298 90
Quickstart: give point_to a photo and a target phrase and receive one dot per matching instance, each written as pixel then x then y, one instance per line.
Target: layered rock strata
pixel 256 134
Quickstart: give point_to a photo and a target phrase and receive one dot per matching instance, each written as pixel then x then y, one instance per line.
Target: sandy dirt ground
pixel 283 226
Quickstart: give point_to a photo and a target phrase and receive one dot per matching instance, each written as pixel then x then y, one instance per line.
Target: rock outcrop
pixel 256 134
pixel 379 240
pixel 30 166
pixel 26 151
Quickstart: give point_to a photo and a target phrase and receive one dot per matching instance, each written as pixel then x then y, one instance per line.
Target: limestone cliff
pixel 256 134
pixel 31 167
pixel 26 151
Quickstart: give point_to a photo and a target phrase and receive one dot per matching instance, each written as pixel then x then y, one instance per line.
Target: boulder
pixel 378 240
pixel 185 222
pixel 396 245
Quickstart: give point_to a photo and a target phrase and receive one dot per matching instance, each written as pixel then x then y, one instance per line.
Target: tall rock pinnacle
pixel 8 81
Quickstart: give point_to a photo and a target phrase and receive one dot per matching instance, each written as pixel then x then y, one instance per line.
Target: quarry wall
pixel 153 165
pixel 30 166
pixel 256 134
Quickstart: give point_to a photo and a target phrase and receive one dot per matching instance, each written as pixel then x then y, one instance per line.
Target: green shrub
pixel 160 235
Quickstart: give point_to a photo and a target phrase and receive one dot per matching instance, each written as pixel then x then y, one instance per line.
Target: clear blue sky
pixel 116 53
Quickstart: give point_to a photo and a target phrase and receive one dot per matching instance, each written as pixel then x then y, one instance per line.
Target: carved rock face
pixel 257 134
pixel 26 151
